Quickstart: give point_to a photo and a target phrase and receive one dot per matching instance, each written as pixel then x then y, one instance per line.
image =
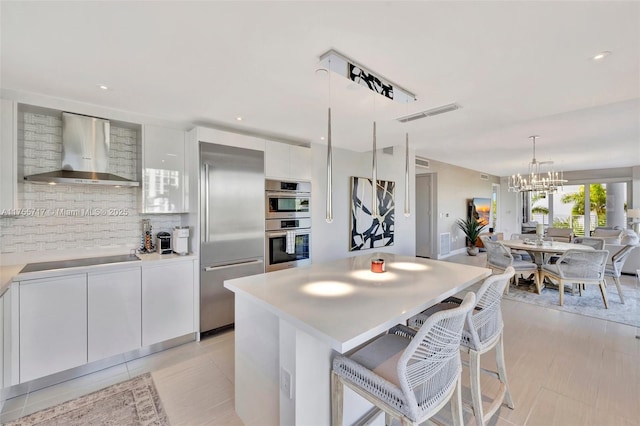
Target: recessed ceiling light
pixel 321 138
pixel 239 118
pixel 600 56
pixel 103 87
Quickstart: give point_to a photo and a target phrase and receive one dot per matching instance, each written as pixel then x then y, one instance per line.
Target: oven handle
pixel 289 194
pixel 284 233
pixel 233 265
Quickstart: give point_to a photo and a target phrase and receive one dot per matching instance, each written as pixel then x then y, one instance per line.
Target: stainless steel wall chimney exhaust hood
pixel 85 154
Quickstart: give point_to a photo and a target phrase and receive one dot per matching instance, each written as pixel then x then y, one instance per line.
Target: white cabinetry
pixel 8 156
pixel 287 161
pixel 167 301
pixel 163 170
pixel 114 313
pixel 53 325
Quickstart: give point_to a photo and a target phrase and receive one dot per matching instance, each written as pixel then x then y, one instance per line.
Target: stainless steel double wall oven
pixel 288 224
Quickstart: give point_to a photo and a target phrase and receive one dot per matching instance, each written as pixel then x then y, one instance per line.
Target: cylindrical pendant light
pixel 374 179
pixel 407 207
pixel 329 216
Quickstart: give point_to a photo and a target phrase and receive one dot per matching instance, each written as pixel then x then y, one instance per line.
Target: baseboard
pixel 453 253
pixel 92 367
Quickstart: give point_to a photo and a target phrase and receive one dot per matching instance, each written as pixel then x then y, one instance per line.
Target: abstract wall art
pixel 369 232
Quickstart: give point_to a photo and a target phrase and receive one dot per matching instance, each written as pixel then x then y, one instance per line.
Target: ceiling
pixel 517 68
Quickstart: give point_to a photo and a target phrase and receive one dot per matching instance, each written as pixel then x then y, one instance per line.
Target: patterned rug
pixel 134 402
pixel 590 303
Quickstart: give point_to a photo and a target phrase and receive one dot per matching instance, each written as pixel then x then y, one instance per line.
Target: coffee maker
pixel 181 240
pixel 163 244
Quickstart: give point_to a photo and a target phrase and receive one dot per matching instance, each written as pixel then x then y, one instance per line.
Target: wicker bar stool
pixel 408 374
pixel 482 332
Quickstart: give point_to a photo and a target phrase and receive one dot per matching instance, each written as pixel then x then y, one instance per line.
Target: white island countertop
pixel 344 304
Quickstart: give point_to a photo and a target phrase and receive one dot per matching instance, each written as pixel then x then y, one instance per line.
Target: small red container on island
pixel 377 265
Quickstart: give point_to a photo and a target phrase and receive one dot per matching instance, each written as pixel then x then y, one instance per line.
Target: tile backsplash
pixel 68 217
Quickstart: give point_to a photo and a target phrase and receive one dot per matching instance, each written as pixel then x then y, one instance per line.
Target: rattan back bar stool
pixel 408 374
pixel 482 332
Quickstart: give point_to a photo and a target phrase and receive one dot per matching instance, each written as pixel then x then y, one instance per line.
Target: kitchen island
pixel 289 324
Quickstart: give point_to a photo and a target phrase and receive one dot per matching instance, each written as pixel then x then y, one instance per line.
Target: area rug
pixel 134 402
pixel 590 303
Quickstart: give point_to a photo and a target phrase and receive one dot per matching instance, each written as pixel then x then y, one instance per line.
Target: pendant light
pixel 329 195
pixel 374 179
pixel 329 214
pixel 407 206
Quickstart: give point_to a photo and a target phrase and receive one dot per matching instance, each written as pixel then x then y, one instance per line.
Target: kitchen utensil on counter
pixel 163 243
pixel 181 240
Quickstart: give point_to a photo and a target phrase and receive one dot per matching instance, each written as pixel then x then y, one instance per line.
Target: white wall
pixel 331 241
pixel 455 187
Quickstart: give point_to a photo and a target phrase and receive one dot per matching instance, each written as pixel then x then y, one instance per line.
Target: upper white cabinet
pixel 114 313
pixel 8 155
pixel 53 325
pixel 287 161
pixel 163 170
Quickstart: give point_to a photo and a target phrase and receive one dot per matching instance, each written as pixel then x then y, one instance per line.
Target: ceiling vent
pixel 388 150
pixel 430 112
pixel 484 176
pixel 422 162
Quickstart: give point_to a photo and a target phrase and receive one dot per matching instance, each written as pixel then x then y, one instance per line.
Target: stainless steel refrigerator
pixel 232 226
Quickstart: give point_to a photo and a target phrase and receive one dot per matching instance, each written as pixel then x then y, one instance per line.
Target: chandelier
pixel 540 179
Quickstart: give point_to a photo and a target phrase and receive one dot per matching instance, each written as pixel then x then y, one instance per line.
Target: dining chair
pixel 596 243
pixel 408 374
pixel 578 267
pixel 614 269
pixel 482 332
pixel 499 258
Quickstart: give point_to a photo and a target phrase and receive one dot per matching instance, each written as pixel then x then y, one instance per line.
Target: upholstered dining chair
pixel 596 243
pixel 578 267
pixel 482 332
pixel 499 258
pixel 614 269
pixel 409 375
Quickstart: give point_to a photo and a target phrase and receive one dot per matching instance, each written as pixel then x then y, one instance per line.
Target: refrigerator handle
pixel 233 265
pixel 206 202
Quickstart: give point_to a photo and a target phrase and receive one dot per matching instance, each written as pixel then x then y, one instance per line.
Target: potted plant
pixel 471 228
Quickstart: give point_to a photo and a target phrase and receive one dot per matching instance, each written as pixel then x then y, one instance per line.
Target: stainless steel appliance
pixel 163 243
pixel 287 243
pixel 287 199
pixel 181 240
pixel 85 154
pixel 232 226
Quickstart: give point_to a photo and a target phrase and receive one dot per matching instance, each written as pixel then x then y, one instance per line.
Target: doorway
pixel 425 226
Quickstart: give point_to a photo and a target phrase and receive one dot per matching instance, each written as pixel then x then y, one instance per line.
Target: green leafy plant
pixel 471 228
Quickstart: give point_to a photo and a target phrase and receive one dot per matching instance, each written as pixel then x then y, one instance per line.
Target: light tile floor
pixel 564 369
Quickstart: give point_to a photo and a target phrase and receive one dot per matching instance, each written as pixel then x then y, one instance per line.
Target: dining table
pixel 541 251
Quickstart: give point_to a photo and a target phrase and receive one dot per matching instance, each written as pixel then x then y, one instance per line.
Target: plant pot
pixel 473 251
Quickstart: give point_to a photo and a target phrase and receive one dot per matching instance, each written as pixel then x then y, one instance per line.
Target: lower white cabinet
pixel 53 325
pixel 167 301
pixel 114 313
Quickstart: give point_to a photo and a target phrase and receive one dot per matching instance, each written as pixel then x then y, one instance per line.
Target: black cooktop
pixel 74 263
